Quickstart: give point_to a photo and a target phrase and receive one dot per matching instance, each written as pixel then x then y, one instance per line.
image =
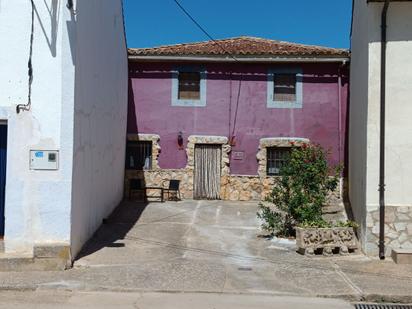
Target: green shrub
pixel 300 192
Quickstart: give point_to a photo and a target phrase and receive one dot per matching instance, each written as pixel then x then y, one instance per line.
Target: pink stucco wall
pixel 151 111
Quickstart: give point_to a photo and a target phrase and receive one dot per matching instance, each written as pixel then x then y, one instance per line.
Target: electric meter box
pixel 44 160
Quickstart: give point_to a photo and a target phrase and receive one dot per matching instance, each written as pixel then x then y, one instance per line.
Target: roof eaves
pixel 243 59
pixel 389 1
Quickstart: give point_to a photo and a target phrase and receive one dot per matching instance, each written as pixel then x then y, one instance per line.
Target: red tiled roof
pixel 241 47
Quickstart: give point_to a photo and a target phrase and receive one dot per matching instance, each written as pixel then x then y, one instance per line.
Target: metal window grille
pixel 189 85
pixel 139 155
pixel 276 158
pixel 284 88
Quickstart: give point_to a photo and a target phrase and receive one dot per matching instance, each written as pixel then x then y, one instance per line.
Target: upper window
pixel 284 88
pixel 276 158
pixel 189 87
pixel 139 155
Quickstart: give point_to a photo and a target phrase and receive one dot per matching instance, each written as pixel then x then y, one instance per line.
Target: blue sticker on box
pixel 39 154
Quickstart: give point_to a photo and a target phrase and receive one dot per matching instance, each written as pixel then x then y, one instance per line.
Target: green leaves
pixel 298 195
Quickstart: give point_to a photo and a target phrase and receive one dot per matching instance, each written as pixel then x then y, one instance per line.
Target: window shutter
pixel 189 86
pixel 284 89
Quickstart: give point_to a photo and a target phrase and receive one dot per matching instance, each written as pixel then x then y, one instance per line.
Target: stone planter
pixel 342 239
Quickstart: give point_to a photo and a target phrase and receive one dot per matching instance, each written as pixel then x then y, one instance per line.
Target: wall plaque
pixel 238 155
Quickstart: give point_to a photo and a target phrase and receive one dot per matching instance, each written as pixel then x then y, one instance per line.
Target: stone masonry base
pixel 233 187
pixel 398 229
pixel 47 257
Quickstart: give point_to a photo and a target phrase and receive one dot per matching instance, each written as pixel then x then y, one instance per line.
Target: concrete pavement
pixel 83 300
pixel 211 246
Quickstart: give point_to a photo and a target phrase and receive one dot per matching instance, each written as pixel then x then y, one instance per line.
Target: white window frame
pixel 175 87
pixel 298 103
pixel 288 148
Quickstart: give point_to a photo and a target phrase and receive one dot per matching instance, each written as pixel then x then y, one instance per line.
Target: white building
pixel 365 124
pixel 65 151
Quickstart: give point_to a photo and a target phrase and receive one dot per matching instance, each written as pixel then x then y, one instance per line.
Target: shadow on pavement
pixel 114 228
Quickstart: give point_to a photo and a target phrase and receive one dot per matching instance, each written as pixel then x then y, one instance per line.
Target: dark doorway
pixel 207 171
pixel 3 164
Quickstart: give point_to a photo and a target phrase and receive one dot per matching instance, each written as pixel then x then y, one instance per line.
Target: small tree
pixel 300 192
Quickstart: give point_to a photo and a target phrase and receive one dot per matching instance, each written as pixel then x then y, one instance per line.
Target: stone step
pixel 43 257
pixel 19 263
pixel 402 256
pixel 13 262
pixel 333 209
pixel 334 213
pixel 334 217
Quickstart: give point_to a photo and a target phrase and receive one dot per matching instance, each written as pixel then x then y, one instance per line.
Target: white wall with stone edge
pixel 364 122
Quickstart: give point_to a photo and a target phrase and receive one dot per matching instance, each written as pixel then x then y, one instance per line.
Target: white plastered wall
pixel 365 121
pixel 100 116
pixel 358 114
pixel 37 207
pixel 398 105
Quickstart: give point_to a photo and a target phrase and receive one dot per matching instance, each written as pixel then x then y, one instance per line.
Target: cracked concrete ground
pixel 211 246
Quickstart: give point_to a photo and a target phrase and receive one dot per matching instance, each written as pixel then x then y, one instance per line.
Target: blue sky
pixel 318 22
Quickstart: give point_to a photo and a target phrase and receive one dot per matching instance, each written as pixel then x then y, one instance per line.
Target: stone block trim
pixel 161 177
pixel 233 187
pixel 245 188
pixel 213 140
pixel 398 229
pixel 256 188
pixel 154 138
pixel 274 142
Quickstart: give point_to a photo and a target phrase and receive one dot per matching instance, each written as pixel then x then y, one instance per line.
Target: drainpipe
pixel 340 108
pixel 382 134
pixel 69 4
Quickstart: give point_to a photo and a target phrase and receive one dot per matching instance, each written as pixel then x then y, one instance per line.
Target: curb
pixel 372 298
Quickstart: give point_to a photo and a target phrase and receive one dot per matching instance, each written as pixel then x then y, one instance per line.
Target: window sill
pixel 282 104
pixel 189 103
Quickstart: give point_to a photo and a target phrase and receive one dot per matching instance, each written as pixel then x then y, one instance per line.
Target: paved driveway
pixel 211 246
pixel 215 246
pixel 204 231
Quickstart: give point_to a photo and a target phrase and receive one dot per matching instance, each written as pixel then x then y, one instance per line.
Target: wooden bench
pixel 137 185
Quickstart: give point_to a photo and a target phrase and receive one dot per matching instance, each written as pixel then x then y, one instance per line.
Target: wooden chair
pixel 173 190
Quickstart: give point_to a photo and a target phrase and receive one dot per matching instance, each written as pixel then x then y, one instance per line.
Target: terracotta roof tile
pixel 240 46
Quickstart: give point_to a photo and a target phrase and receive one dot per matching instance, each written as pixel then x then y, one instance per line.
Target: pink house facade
pixel 193 102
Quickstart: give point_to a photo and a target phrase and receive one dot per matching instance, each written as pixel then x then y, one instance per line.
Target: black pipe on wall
pixel 382 133
pixel 69 4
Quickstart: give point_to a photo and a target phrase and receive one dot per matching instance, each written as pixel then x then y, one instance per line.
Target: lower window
pixel 276 158
pixel 139 155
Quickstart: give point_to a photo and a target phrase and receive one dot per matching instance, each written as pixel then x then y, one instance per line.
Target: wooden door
pixel 207 171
